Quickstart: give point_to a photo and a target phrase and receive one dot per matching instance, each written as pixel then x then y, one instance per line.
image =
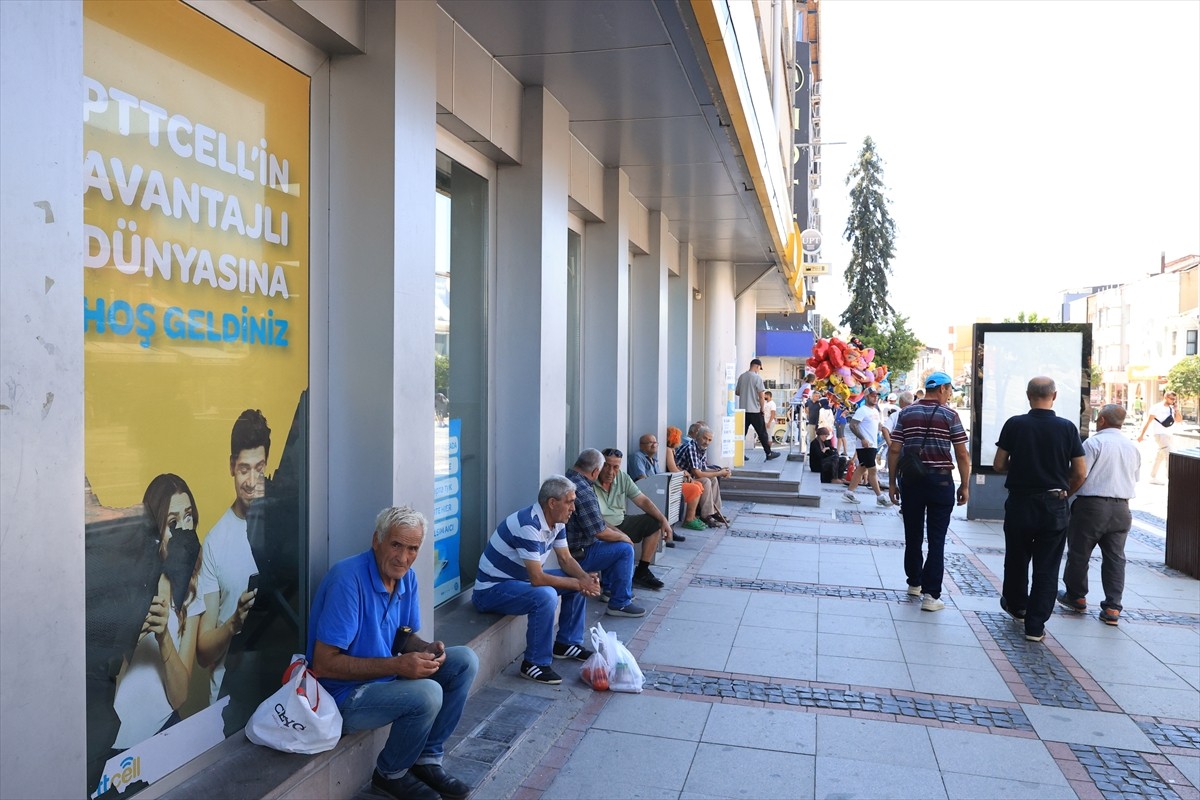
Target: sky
pixel 1029 147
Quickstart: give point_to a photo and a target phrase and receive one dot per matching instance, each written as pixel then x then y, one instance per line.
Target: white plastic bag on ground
pixel 624 674
pixel 299 718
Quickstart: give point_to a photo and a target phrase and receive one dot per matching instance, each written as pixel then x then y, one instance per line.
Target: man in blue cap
pixel 930 432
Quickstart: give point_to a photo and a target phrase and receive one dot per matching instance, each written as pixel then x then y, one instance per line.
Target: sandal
pixel 719 517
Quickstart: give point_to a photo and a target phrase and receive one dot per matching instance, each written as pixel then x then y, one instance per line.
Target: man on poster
pixel 228 563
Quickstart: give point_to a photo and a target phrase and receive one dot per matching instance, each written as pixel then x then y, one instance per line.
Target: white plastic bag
pixel 299 718
pixel 624 674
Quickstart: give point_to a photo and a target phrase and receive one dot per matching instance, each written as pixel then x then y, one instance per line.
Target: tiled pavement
pixel 784 659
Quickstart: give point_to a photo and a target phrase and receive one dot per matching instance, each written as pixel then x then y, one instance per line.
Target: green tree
pixel 1097 375
pixel 1032 316
pixel 895 345
pixel 1184 377
pixel 441 373
pixel 828 329
pixel 872 234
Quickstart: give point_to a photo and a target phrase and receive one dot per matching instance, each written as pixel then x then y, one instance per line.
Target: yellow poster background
pixel 159 399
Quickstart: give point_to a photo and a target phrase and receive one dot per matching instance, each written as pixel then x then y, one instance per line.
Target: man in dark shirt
pixel 1043 457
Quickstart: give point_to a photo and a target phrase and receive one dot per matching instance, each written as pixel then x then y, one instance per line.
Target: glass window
pixel 460 376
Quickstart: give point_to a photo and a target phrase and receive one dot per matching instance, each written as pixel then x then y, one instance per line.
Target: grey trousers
pixel 1097 521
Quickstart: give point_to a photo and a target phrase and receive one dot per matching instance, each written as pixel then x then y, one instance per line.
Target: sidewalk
pixel 784 659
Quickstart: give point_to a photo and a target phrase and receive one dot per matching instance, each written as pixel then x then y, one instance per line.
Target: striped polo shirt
pixel 522 536
pixel 945 431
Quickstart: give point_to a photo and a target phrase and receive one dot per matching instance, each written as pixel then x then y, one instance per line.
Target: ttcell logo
pixel 131 770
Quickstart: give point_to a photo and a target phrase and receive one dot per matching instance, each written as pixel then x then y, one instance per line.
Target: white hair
pixel 399 517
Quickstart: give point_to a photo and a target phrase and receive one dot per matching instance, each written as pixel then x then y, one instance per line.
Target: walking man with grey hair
pixel 1100 515
pixel 362 641
pixel 1043 458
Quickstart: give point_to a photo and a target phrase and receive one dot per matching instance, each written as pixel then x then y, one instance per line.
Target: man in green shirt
pixel 614 488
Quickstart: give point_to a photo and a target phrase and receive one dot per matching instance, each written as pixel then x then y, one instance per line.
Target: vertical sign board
pixel 195 320
pixel 447 512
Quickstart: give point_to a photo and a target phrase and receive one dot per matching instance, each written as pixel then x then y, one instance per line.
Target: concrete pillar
pixel 718 346
pixel 682 332
pixel 605 319
pixel 529 384
pixel 649 368
pixel 381 284
pixel 41 401
pixel 747 319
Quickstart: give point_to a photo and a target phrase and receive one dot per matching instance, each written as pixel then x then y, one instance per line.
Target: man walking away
pixel 1043 457
pixel 930 431
pixel 1100 515
pixel 751 393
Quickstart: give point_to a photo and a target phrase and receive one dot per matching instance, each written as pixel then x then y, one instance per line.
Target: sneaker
pixel 695 524
pixel 606 597
pixel 1158 481
pixel 442 782
pixel 883 500
pixel 931 603
pixel 1110 616
pixel 540 674
pixel 678 537
pixel 914 591
pixel 646 579
pixel 850 498
pixel 628 611
pixel 772 454
pixel 1035 637
pixel 575 651
pixel 1074 603
pixel 406 787
pixel 1015 613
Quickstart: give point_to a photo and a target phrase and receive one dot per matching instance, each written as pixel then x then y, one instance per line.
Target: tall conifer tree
pixel 871 233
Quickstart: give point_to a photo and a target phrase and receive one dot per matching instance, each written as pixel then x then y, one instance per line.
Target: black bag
pixel 1169 421
pixel 910 464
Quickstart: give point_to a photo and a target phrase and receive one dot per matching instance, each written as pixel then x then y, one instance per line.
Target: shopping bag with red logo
pixel 299 718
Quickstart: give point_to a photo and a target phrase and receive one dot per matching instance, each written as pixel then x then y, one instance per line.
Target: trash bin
pixel 1183 512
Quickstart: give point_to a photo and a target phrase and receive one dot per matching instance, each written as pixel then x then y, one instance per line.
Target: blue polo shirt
pixel 353 612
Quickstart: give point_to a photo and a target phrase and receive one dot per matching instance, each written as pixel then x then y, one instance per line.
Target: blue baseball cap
pixel 937 379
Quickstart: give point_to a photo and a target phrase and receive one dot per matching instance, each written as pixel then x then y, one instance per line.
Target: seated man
pixel 587 529
pixel 692 458
pixel 378 678
pixel 511 579
pixel 614 489
pixel 645 462
pixel 691 489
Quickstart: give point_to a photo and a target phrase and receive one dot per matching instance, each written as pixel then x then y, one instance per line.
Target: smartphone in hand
pixel 398 643
pixel 252 583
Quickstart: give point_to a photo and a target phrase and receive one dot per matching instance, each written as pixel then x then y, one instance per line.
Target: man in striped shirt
pixel 933 431
pixel 511 580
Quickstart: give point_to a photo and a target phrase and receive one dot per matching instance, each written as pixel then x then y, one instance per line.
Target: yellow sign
pixel 1143 372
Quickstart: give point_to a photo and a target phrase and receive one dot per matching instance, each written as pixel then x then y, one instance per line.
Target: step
pixel 770 497
pixel 743 482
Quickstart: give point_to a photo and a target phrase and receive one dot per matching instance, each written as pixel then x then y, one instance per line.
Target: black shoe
pixel 540 674
pixel 575 651
pixel 442 782
pixel 772 454
pixel 670 543
pixel 1015 613
pixel 1076 604
pixel 645 579
pixel 407 787
pixel 677 537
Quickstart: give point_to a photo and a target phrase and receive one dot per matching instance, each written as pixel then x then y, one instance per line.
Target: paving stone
pixel 806 589
pixel 1172 735
pixel 812 538
pixel 967 577
pixel 1039 669
pixel 1122 774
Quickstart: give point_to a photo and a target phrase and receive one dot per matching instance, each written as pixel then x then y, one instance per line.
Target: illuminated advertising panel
pixel 195 318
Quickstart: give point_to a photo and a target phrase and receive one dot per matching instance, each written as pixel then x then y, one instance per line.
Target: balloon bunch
pixel 847 369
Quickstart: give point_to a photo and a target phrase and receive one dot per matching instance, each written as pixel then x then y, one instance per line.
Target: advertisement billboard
pixel 195 320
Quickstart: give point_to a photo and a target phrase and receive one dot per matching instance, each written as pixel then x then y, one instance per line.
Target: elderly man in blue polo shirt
pixel 932 431
pixel 362 642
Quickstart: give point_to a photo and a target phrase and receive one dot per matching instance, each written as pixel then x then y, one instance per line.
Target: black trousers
pixel 756 420
pixel 1035 530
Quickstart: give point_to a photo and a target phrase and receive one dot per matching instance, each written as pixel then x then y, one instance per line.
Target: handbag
pixel 624 674
pixel 301 717
pixel 1170 420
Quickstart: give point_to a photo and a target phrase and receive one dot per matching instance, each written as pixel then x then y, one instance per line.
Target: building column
pixel 682 332
pixel 605 319
pixel 649 368
pixel 529 387
pixel 747 320
pixel 719 320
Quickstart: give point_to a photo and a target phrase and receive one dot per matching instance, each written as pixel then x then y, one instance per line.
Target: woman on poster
pixel 153 685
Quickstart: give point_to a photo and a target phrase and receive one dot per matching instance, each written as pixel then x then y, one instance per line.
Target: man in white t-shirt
pixel 1159 421
pixel 228 562
pixel 902 400
pixel 864 435
pixel 769 410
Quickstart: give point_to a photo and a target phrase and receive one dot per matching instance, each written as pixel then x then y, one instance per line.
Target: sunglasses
pixel 609 452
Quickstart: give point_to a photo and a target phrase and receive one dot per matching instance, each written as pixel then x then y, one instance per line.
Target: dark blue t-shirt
pixel 1041 445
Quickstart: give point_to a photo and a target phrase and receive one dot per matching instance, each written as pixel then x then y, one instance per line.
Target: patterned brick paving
pixel 1039 668
pixel 807 589
pixel 1122 774
pixel 1167 735
pixel 812 538
pixel 967 577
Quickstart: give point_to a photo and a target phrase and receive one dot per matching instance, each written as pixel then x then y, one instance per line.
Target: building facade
pixel 438 247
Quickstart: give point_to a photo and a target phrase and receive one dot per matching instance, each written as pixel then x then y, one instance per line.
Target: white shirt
pixel 1113 465
pixel 868 425
pixel 225 568
pixel 769 411
pixel 1159 412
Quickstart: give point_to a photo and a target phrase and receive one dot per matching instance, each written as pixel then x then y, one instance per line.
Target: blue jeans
pixel 925 505
pixel 423 713
pixel 615 561
pixel 538 603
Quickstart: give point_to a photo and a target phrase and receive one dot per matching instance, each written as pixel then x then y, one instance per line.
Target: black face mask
pixel 180 563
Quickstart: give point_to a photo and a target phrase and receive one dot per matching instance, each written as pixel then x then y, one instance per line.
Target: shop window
pixel 1191 343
